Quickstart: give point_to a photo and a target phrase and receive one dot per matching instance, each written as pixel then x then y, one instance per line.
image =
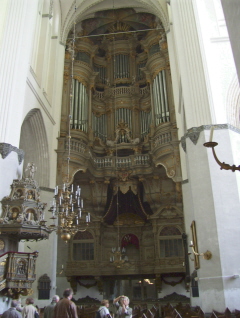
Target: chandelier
pixel 67 207
pixel 118 257
pixel 67 204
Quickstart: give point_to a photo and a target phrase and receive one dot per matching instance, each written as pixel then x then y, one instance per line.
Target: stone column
pixel 190 62
pixel 231 11
pixel 16 36
pixel 211 199
pixel 16 43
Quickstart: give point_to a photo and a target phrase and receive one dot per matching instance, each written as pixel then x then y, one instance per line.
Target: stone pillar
pixel 16 35
pixel 16 44
pixel 231 11
pixel 211 199
pixel 190 63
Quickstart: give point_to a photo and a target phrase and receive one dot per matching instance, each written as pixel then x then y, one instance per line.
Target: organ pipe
pixel 79 106
pixel 100 126
pixel 165 94
pixel 161 97
pixel 160 103
pixel 121 66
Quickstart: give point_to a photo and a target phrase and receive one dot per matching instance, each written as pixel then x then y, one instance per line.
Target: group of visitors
pixel 122 308
pixel 65 308
pixel 16 311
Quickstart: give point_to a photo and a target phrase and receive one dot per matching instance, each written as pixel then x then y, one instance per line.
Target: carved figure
pixel 30 170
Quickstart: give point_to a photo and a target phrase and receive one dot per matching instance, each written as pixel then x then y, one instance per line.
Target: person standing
pixel 49 310
pixel 29 310
pixel 65 308
pixel 12 311
pixel 123 309
pixel 103 309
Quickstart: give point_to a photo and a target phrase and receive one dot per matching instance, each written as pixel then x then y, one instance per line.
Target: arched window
pixel 44 286
pixel 83 246
pixel 171 242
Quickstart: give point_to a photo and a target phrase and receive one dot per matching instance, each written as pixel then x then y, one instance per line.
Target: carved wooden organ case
pixel 124 145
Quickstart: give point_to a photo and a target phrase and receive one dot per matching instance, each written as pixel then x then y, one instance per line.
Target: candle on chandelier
pixel 211 133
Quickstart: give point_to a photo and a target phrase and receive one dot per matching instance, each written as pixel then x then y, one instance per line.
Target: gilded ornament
pixel 2 245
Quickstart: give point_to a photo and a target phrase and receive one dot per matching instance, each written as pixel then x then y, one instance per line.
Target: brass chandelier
pixel 118 257
pixel 67 204
pixel 67 207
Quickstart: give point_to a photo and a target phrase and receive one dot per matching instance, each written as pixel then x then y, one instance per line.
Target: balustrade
pixel 124 162
pixel 76 145
pixel 145 90
pixel 162 139
pixel 123 90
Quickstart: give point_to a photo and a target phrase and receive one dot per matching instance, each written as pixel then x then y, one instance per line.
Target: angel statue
pixel 30 170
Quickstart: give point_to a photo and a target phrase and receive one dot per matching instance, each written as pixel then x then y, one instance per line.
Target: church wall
pixel 217 56
pixel 204 177
pixel 15 54
pixel 189 57
pixel 216 219
pixel 211 196
pixel 231 13
pixel 16 40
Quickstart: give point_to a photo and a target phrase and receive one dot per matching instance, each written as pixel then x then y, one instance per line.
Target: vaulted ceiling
pixel 86 9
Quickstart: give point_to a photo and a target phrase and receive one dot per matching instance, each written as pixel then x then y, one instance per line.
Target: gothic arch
pixel 34 142
pixel 88 8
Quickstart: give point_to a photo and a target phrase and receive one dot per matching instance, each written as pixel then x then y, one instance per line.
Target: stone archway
pixel 33 141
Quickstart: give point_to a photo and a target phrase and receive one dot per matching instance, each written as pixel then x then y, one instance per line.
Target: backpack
pixel 97 315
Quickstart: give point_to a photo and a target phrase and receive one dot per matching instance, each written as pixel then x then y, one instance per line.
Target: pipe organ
pixel 124 140
pixel 140 74
pixel 121 79
pixel 99 125
pixel 145 120
pixel 79 107
pixel 121 67
pixel 101 73
pixel 160 99
pixel 125 115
